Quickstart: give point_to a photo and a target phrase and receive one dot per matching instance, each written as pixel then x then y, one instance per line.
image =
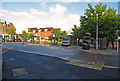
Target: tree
pixel 24 35
pixel 29 35
pixel 63 34
pixel 75 32
pixel 57 34
pixel 108 23
pixel 12 31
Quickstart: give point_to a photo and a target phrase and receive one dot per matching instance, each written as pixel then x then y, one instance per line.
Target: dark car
pixel 18 40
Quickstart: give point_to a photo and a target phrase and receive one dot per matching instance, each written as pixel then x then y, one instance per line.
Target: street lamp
pixel 97 29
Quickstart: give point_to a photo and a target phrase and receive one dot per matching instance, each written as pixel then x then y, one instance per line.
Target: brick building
pixel 44 33
pixel 5 27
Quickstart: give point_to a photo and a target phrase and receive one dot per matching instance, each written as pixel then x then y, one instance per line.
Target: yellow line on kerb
pixel 6 50
pixel 102 65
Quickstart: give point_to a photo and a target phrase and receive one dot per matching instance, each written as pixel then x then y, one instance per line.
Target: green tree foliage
pixel 57 34
pixel 12 31
pixel 29 35
pixel 108 22
pixel 75 32
pixel 24 35
pixel 63 34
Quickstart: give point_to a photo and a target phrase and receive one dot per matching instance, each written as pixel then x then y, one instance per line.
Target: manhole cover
pixel 19 71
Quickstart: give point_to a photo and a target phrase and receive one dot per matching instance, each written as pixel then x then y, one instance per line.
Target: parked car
pixel 18 40
pixel 10 40
pixel 24 40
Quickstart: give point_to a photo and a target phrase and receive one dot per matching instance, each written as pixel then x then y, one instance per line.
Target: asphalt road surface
pixel 43 66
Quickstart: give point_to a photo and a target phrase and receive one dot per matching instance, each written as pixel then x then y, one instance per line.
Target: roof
pixel 47 28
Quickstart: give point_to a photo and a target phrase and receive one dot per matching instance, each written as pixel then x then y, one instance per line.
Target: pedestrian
pixel 110 45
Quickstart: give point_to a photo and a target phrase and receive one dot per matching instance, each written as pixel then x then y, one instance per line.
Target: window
pixel 36 34
pixel 7 30
pixel 49 33
pixel 33 31
pixel 39 34
pixel 2 23
pixel 39 30
pixel 45 33
pixel 46 30
pixel 46 37
pixel 8 25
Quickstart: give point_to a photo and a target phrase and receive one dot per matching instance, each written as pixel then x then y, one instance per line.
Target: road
pixel 56 62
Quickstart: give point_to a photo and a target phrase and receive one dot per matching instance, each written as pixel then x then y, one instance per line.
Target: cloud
pixel 57 11
pixel 54 17
pixel 43 4
pixel 35 12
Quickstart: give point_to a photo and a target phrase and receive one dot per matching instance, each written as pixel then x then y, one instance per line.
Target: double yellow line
pixel 78 63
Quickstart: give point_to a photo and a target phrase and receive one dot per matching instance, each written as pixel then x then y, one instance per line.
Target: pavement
pixel 108 51
pixel 79 48
pixel 39 66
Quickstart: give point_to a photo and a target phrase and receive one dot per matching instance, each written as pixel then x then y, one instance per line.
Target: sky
pixel 46 14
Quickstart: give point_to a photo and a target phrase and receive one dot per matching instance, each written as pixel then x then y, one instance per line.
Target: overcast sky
pixel 46 14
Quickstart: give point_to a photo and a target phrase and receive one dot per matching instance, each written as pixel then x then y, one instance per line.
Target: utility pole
pixel 5 30
pixel 97 29
pixel 97 33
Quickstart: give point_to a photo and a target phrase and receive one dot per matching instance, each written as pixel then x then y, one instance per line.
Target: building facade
pixel 5 27
pixel 44 33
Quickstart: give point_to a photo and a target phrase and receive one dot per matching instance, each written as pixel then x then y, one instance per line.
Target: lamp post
pixel 97 29
pixel 5 30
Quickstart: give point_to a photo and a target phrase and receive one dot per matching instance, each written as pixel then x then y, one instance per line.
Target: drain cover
pixel 19 71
